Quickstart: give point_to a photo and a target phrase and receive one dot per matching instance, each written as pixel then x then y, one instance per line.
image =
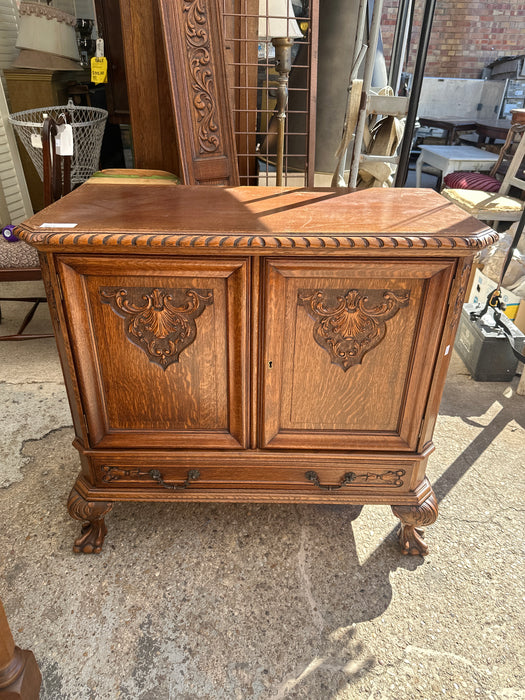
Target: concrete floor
pixel 257 601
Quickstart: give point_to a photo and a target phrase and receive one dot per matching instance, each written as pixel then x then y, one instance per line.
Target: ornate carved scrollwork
pixel 460 294
pixel 204 101
pixel 94 530
pixel 412 519
pixel 116 473
pixel 349 324
pixel 390 477
pixel 161 322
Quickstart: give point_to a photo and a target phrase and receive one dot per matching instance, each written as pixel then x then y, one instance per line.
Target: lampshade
pixel 45 29
pixel 277 19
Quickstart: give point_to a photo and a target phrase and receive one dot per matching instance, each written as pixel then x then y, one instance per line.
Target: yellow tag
pixel 99 70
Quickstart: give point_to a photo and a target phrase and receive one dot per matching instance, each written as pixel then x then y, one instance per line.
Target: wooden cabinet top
pixel 141 218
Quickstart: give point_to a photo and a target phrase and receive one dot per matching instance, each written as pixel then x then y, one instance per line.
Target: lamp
pixel 46 37
pixel 277 22
pixel 283 65
pixel 276 19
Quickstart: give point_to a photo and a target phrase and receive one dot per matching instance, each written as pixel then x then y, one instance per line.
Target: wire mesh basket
pixel 88 129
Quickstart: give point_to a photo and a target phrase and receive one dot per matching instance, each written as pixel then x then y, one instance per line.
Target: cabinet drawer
pixel 307 477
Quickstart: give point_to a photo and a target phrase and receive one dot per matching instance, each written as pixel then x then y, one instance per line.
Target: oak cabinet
pixel 254 344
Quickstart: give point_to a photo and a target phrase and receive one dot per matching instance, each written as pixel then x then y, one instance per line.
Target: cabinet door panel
pixel 160 349
pixel 349 351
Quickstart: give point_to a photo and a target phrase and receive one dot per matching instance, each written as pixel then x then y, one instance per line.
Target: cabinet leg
pixel 19 675
pixel 412 519
pixel 94 530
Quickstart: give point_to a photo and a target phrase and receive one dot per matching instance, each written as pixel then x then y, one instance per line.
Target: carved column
pixel 412 519
pixel 193 41
pixel 94 530
pixel 19 675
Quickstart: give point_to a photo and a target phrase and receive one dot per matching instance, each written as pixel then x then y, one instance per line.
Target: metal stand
pixel 283 56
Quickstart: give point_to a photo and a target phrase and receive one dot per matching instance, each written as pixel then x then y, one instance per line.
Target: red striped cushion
pixel 472 181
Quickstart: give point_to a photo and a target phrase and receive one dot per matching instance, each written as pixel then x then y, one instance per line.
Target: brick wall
pixel 466 35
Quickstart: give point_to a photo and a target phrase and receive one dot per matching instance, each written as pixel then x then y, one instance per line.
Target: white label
pixel 447 350
pixel 99 50
pixel 36 140
pixel 64 140
pixel 57 225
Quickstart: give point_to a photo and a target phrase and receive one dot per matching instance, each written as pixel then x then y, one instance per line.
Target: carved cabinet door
pixel 159 348
pixel 349 348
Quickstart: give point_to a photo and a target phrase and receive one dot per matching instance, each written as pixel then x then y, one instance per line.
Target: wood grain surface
pixel 151 218
pixel 193 43
pixel 129 399
pixel 310 400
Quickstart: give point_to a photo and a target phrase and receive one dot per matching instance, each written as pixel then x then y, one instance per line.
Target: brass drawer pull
pixel 314 478
pixel 193 475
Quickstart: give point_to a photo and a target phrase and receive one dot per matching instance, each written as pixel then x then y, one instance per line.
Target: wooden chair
pixel 489 182
pixel 19 261
pixel 499 206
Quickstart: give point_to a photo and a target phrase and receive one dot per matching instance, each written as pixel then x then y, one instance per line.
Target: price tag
pixel 99 70
pixel 36 140
pixel 64 140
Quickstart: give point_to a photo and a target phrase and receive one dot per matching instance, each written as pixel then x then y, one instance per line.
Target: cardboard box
pixel 519 321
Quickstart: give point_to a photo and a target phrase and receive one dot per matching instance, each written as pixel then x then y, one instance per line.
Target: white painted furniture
pixel 487 206
pixel 448 159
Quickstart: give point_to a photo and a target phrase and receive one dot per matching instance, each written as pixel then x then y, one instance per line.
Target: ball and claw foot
pixel 411 540
pixel 412 518
pixel 91 537
pixel 94 530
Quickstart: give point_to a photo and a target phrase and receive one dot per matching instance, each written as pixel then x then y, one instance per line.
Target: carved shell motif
pixel 161 322
pixel 348 324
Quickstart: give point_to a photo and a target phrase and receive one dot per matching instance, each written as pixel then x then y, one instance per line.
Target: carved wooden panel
pixel 349 324
pixel 193 42
pixel 342 359
pixel 159 321
pixel 159 364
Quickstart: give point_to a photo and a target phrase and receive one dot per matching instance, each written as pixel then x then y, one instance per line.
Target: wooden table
pixel 486 128
pixel 492 129
pixel 265 345
pixel 448 159
pixel 452 125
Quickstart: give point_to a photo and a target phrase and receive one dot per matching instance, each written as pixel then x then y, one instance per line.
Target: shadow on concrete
pixel 470 400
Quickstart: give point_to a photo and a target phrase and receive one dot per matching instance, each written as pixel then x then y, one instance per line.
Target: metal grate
pixel 250 59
